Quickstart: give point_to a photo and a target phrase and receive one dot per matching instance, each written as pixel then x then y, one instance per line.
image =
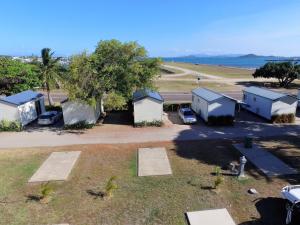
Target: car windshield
pixel 188 113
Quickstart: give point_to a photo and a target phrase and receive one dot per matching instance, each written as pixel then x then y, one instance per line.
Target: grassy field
pixel 188 85
pixel 138 200
pixel 216 70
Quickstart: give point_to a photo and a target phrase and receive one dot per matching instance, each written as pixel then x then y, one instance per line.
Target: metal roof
pixel 208 94
pixel 263 92
pixel 22 97
pixel 146 93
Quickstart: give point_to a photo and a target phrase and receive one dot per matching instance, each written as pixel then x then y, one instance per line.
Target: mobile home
pixel 267 103
pixel 207 104
pixel 147 106
pixel 76 111
pixel 23 107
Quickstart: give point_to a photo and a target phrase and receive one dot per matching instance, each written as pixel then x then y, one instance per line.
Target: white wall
pixel 148 110
pixel 9 112
pixel 259 105
pixel 200 107
pixel 299 98
pixel 285 105
pixel 222 107
pixel 75 112
pixel 27 112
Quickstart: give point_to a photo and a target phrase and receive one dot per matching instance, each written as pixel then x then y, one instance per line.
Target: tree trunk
pixel 49 96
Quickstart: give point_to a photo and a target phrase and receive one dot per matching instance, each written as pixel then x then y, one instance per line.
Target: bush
pixel 6 125
pixel 81 125
pixel 174 107
pixel 155 123
pixel 53 108
pixel 284 118
pixel 111 186
pixel 220 120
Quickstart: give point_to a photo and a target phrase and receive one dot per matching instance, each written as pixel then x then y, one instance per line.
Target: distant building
pixel 207 103
pixel 24 107
pixel 147 106
pixel 267 103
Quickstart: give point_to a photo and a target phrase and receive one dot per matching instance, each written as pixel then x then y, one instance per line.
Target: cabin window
pixel 244 97
pixel 193 98
pixel 254 99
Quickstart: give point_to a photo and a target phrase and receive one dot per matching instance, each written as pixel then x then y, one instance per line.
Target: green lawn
pixel 138 200
pixel 221 71
pixel 188 85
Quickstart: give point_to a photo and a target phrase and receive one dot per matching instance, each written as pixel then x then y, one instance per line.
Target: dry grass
pixel 139 200
pixel 221 71
pixel 188 85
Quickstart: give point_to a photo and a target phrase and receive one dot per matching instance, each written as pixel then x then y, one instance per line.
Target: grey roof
pixel 263 92
pixel 146 93
pixel 209 95
pixel 22 97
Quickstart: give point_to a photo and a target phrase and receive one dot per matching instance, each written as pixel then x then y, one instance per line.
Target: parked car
pixel 187 116
pixel 292 196
pixel 49 118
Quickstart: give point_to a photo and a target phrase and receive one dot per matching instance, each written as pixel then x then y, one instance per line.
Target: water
pixel 241 62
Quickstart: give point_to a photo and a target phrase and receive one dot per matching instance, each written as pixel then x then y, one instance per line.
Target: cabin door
pixel 38 107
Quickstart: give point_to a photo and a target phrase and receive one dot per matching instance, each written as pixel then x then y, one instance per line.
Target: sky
pixel 163 27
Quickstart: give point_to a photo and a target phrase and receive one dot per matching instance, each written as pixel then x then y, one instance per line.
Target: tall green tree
pixel 285 72
pixel 50 76
pixel 16 76
pixel 114 68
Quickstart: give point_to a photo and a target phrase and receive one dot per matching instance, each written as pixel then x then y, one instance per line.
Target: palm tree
pixel 49 75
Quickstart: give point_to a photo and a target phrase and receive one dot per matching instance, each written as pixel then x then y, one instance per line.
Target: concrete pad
pixel 153 161
pixel 210 217
pixel 57 167
pixel 269 164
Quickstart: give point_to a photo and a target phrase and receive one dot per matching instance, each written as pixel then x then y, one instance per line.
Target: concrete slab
pixel 153 161
pixel 269 164
pixel 210 217
pixel 57 167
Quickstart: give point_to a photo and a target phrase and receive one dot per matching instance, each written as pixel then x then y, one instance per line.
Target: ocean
pixel 241 62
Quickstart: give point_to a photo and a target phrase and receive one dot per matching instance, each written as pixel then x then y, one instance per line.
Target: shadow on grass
pixel 33 198
pixel 96 194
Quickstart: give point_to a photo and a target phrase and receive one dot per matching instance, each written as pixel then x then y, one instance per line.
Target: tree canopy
pixel 285 72
pixel 114 67
pixel 16 76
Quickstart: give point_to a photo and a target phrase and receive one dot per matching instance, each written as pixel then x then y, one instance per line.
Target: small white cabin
pixel 207 103
pixel 267 103
pixel 23 107
pixel 76 111
pixel 298 96
pixel 147 106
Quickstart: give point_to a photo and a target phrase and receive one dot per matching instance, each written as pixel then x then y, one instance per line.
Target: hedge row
pixel 79 126
pixel 220 120
pixel 155 123
pixel 174 107
pixel 6 125
pixel 284 118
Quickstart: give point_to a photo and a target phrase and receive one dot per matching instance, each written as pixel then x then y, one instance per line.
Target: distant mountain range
pixel 235 56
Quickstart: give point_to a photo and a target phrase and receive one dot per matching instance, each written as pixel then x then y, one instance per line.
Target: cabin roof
pixel 209 95
pixel 263 92
pixel 22 97
pixel 146 93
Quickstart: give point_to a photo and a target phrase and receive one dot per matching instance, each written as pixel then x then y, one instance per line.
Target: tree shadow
pixel 267 84
pixel 119 118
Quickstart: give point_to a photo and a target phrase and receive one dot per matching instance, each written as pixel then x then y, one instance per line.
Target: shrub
pixel 219 178
pixel 284 118
pixel 155 123
pixel 46 192
pixel 6 125
pixel 220 120
pixel 81 125
pixel 111 186
pixel 53 108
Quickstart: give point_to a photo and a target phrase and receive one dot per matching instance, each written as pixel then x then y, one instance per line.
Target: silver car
pixel 187 116
pixel 48 118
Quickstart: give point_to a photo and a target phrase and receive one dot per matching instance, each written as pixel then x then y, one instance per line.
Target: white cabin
pixel 76 111
pixel 298 96
pixel 147 106
pixel 207 103
pixel 23 107
pixel 267 103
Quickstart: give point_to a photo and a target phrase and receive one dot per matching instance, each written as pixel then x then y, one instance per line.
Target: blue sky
pixel 164 27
